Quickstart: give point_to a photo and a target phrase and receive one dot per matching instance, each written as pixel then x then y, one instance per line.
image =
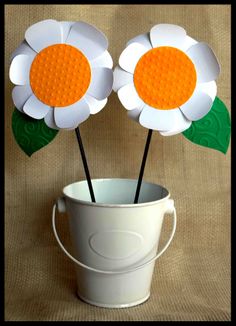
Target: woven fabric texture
pixel 191 280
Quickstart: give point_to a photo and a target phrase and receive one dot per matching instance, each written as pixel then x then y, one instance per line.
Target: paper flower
pixel 63 72
pixel 166 79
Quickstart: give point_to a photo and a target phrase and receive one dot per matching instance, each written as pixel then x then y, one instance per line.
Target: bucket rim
pixel 105 205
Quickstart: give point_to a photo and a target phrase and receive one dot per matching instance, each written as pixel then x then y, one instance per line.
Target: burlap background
pixel 192 279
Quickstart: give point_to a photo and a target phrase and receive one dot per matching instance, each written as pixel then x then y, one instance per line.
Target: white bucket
pixel 115 241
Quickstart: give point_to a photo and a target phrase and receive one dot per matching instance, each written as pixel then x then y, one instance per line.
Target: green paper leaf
pixel 213 130
pixel 31 134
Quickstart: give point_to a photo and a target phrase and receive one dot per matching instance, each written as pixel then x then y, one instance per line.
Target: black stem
pixel 140 178
pixel 86 170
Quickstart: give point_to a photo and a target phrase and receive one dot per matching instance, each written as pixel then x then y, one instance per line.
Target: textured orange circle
pixel 60 75
pixel 165 77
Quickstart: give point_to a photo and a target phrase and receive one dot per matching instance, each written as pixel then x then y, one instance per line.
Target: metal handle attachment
pixel 170 209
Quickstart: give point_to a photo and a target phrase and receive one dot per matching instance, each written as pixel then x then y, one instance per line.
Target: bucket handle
pixel 171 209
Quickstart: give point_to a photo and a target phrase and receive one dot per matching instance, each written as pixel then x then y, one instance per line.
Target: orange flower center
pixel 60 75
pixel 165 78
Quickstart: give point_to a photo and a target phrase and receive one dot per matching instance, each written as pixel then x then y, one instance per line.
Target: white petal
pixel 20 69
pixel 20 95
pixel 71 116
pixel 182 125
pixel 209 88
pixel 197 106
pixel 129 97
pixel 104 60
pixel 87 39
pixel 49 120
pixel 43 34
pixel 205 61
pixel 162 120
pixel 35 108
pixel 134 114
pixel 94 105
pixel 65 29
pixel 167 35
pixel 131 55
pixel 101 83
pixel 23 48
pixel 121 78
pixel 188 42
pixel 142 39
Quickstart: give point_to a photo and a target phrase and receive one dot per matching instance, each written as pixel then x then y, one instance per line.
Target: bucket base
pixel 107 305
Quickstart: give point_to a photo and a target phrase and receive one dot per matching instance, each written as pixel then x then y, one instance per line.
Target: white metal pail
pixel 115 242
